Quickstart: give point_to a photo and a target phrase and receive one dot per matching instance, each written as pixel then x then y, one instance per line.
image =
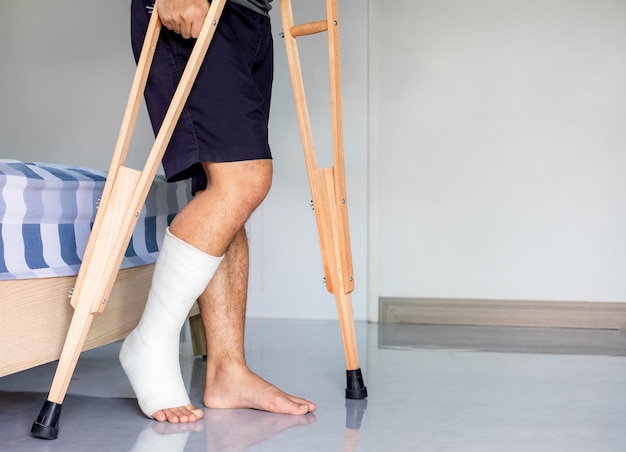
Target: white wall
pixel 498 149
pixel 496 142
pixel 65 76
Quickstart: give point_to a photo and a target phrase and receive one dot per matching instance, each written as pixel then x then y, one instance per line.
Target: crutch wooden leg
pixel 124 195
pixel 328 186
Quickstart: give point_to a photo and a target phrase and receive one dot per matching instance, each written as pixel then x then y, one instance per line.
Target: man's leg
pixel 229 382
pixel 210 223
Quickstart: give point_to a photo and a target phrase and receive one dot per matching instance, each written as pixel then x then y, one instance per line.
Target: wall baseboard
pixel 549 314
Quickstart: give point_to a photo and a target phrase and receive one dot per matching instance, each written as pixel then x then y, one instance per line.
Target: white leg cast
pixel 150 353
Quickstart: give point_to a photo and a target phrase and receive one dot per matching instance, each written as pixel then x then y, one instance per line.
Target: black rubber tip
pixel 356 388
pixel 47 424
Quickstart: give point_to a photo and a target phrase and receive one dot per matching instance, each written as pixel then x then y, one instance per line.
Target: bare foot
pixel 181 414
pixel 238 387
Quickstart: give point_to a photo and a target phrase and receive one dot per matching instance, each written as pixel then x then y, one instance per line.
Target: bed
pixel 46 214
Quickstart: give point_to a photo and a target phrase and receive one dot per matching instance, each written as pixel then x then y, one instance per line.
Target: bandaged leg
pixel 150 353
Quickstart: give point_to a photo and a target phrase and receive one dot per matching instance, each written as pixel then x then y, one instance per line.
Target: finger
pixel 196 27
pixel 171 25
pixel 185 30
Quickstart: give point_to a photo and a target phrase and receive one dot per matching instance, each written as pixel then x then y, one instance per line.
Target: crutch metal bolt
pixel 328 186
pixel 124 194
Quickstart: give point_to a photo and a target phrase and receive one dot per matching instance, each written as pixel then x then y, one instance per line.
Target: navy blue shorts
pixel 226 116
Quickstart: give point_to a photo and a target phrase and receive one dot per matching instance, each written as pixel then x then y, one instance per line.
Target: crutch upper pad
pixel 47 424
pixel 356 388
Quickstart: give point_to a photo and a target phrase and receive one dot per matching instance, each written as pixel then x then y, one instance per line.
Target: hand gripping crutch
pixel 328 185
pixel 124 194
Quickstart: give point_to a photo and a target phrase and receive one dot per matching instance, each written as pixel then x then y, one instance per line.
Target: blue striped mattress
pixel 47 211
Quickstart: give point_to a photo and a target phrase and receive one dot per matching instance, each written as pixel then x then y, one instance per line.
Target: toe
pixel 160 416
pixel 195 414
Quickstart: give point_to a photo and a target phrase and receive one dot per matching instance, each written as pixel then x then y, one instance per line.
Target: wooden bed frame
pixel 35 315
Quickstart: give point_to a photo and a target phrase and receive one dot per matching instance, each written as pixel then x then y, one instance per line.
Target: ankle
pixel 225 367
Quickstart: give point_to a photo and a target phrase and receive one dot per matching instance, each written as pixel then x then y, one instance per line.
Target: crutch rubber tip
pixel 356 388
pixel 47 424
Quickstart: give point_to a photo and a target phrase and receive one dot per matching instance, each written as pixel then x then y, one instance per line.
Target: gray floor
pixel 431 389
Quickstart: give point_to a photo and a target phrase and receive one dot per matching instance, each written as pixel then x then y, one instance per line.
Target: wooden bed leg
pixel 328 187
pixel 124 194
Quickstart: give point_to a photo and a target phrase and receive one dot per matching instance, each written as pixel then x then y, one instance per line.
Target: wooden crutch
pixel 328 185
pixel 123 196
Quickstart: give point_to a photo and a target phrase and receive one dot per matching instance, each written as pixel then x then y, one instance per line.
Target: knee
pixel 244 183
pixel 256 185
pixel 253 185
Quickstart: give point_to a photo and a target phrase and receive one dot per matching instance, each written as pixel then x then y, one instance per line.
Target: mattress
pixel 47 212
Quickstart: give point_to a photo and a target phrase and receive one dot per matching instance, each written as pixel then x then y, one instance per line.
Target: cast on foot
pixel 150 353
pixel 155 375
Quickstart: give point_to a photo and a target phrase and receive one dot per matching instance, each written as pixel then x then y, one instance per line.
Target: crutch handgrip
pixel 309 28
